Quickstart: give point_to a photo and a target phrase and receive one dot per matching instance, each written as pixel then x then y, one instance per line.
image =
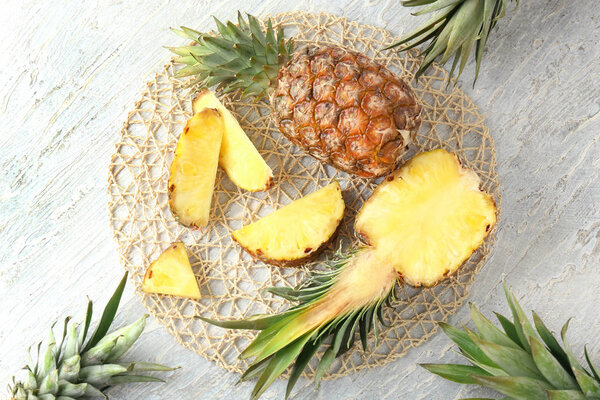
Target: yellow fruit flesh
pixel 194 168
pixel 238 157
pixel 171 273
pixel 428 217
pixel 297 230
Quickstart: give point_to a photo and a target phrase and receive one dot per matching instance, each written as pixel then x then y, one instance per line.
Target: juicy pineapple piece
pixel 238 157
pixel 194 168
pixel 171 273
pixel 296 231
pixel 427 217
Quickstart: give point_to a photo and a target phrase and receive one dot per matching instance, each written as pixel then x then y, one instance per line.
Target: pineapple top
pixel 241 56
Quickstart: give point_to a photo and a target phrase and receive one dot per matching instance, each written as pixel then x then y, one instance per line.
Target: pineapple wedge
pixel 427 217
pixel 238 157
pixel 171 273
pixel 296 231
pixel 194 168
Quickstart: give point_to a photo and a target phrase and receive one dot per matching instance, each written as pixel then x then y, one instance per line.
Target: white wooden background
pixel 71 70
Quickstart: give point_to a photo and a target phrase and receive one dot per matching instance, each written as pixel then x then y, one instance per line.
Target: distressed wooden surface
pixel 70 71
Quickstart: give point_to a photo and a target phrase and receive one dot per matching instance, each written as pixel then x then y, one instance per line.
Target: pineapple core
pixel 194 168
pixel 171 273
pixel 296 231
pixel 428 217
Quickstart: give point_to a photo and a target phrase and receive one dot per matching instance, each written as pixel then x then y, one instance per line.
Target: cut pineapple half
pixel 171 273
pixel 194 168
pixel 428 217
pixel 238 157
pixel 296 231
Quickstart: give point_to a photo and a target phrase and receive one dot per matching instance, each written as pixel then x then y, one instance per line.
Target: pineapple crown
pixel 520 362
pixel 341 330
pixel 237 57
pixel 454 30
pixel 76 368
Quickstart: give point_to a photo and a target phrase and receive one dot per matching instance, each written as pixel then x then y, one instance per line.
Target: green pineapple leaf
pixel 108 315
pixel 516 387
pixel 509 328
pixel 456 372
pixel 457 27
pixel 551 342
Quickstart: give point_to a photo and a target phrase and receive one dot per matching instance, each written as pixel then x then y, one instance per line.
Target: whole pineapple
pixel 340 106
pixel 75 368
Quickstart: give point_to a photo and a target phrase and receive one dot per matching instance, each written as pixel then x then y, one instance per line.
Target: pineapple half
pixel 297 231
pixel 427 217
pixel 171 273
pixel 238 157
pixel 419 225
pixel 194 168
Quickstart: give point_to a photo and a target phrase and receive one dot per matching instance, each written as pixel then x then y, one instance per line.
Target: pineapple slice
pixel 194 168
pixel 427 217
pixel 238 157
pixel 171 273
pixel 296 231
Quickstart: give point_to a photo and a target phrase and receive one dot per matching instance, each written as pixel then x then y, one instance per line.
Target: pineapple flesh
pixel 427 217
pixel 194 168
pixel 296 231
pixel 238 157
pixel 172 274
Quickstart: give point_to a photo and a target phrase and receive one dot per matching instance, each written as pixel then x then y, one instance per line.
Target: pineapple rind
pixel 428 217
pixel 242 163
pixel 296 231
pixel 194 168
pixel 172 274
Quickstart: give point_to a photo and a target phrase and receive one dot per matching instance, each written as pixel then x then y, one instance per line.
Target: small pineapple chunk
pixel 238 157
pixel 171 273
pixel 296 231
pixel 194 168
pixel 428 217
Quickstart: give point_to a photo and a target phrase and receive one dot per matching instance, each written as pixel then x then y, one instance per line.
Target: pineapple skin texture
pixel 428 217
pixel 238 157
pixel 171 274
pixel 194 168
pixel 296 232
pixel 346 110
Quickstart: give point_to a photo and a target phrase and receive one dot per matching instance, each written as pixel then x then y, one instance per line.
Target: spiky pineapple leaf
pixel 278 363
pixel 466 344
pixel 565 395
pixel 456 372
pixel 551 342
pixel 307 353
pixel 108 315
pixel 550 367
pixel 522 324
pixel 489 331
pixel 593 367
pixel 589 386
pixel 515 361
pixel 516 387
pixel 254 370
pixel 509 328
pixel 573 361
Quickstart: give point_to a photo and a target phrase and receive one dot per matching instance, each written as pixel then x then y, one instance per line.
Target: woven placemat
pixel 232 284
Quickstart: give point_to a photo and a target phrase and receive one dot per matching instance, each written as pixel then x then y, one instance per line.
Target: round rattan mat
pixel 232 284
